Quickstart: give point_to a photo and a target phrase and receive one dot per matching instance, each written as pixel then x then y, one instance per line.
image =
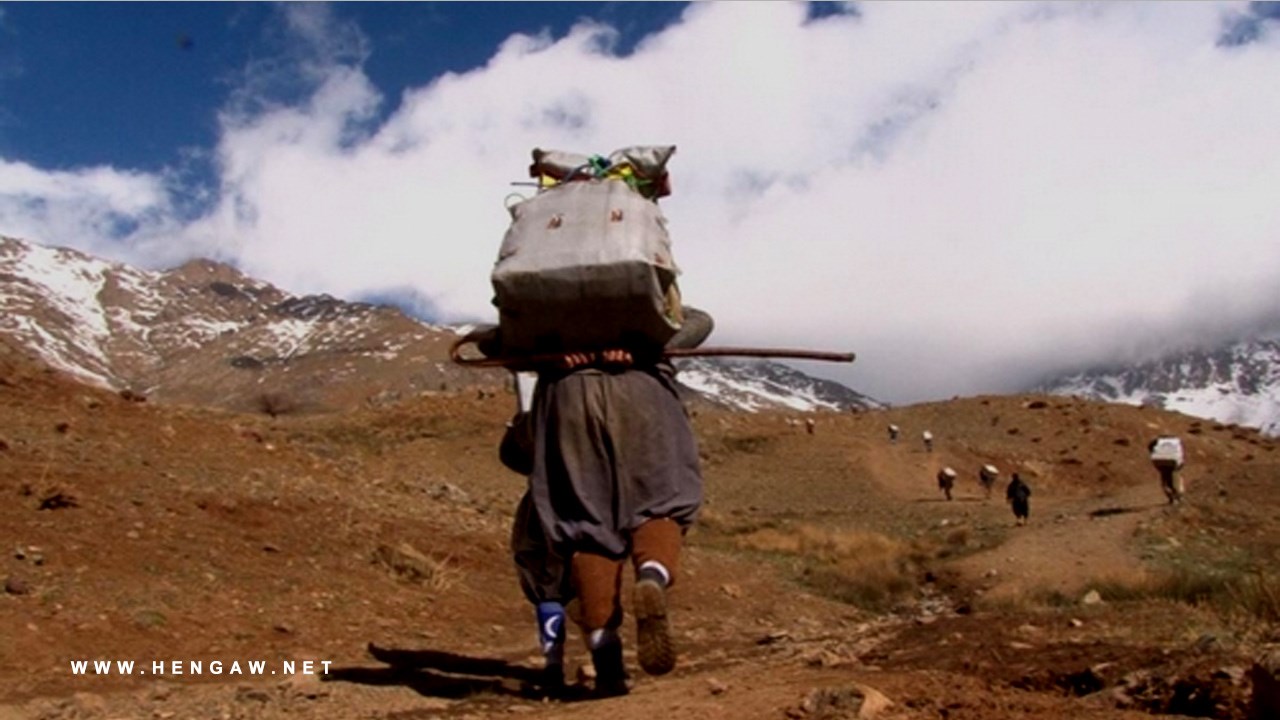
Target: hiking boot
pixel 551 681
pixel 657 654
pixel 611 672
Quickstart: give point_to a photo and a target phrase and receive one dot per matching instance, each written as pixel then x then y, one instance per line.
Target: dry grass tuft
pixel 410 564
pixel 861 568
pixel 1253 594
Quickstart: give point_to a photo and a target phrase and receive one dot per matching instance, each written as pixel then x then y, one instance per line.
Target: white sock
pixel 554 655
pixel 604 636
pixel 659 567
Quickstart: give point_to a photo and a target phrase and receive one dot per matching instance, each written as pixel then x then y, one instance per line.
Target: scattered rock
pixel 1206 642
pixel 825 659
pixel 1093 597
pixel 448 492
pixel 774 637
pixel 408 562
pixel 854 701
pixel 132 396
pixel 14 585
pixel 731 590
pixel 1075 622
pixel 88 705
pixel 303 686
pixel 1234 673
pixel 716 686
pixel 58 500
pixel 247 694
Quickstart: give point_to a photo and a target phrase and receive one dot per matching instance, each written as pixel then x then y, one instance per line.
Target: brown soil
pixel 376 540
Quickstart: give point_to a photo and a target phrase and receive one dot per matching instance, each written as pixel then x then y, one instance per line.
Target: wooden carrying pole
pixel 455 354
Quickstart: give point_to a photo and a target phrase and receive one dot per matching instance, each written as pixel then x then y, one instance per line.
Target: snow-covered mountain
pixel 1238 383
pixel 205 333
pixel 756 385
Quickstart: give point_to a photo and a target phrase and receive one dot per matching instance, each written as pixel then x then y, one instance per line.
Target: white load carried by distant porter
pixel 1167 451
pixel 586 263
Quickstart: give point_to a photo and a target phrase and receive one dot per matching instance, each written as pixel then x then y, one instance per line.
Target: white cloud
pixel 966 194
pixel 89 208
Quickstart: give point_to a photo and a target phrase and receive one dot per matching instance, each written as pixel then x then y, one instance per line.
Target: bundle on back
pixel 586 263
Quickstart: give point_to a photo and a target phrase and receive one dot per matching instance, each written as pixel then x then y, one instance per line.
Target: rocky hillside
pixel 760 385
pixel 206 334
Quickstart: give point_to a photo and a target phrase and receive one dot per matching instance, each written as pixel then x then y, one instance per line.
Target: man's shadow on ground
pixel 436 673
pixel 954 499
pixel 1124 510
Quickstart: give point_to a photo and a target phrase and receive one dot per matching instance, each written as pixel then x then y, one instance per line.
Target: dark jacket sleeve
pixel 697 326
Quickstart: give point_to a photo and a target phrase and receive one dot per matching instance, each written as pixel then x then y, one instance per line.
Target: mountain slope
pixel 206 334
pixel 759 385
pixel 1237 383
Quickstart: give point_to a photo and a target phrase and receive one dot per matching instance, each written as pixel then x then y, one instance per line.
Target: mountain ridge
pixel 206 333
pixel 1237 382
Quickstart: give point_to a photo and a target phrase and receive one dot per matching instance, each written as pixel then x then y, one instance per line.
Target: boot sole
pixel 655 651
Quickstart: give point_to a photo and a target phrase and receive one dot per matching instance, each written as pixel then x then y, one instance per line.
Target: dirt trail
pixel 1069 542
pixel 1067 545
pixel 172 533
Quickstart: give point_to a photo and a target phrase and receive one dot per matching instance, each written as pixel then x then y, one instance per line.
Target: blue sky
pixel 136 84
pixel 969 195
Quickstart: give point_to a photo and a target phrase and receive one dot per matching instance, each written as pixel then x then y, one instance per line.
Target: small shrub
pixel 959 537
pixel 1255 594
pixel 1258 595
pixel 410 564
pixel 149 619
pixel 750 444
pixel 871 586
pixel 276 404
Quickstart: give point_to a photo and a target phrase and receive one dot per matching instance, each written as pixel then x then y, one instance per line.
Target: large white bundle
pixel 1167 450
pixel 586 265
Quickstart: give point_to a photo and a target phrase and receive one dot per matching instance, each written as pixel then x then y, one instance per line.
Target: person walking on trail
pixel 946 481
pixel 928 441
pixel 615 476
pixel 987 475
pixel 893 433
pixel 1019 496
pixel 1167 457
